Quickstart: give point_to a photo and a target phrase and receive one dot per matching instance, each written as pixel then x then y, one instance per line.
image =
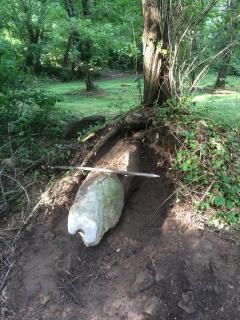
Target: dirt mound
pixel 156 264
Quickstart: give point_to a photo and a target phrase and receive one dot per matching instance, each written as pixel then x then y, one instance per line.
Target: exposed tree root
pixel 111 136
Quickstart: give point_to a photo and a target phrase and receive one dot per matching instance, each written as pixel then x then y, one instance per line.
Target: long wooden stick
pixel 126 173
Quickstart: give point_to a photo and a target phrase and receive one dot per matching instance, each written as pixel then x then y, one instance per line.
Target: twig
pixel 6 276
pixel 101 268
pixel 65 287
pixel 2 191
pixel 31 213
pixel 206 192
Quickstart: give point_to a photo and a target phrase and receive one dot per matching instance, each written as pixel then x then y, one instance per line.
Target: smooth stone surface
pixel 97 207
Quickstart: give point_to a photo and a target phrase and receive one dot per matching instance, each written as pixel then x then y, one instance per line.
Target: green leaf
pixel 229 204
pixel 219 201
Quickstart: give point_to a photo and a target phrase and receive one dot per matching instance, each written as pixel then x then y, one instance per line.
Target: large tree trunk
pixel 29 59
pixel 69 7
pixel 231 28
pixel 85 7
pixel 67 49
pixel 155 50
pixel 90 86
pixel 37 66
pixel 222 73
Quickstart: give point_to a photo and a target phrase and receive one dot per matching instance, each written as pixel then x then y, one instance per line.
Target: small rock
pixel 152 306
pixel 49 236
pixel 143 281
pixel 44 299
pixel 187 302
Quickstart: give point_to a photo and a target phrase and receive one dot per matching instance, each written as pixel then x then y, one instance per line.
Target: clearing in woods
pixel 120 93
pixel 160 262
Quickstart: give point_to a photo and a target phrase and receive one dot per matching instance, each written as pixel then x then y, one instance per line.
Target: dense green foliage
pixel 59 38
pixel 206 163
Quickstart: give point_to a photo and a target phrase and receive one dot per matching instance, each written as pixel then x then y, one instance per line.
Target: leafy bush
pixel 27 111
pixel 123 58
pixel 28 115
pixel 207 163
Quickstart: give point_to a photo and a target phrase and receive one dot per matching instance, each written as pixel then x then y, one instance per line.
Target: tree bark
pixel 73 37
pixel 232 32
pixel 193 53
pixel 222 73
pixel 34 35
pixel 155 50
pixel 85 7
pixel 69 7
pixel 74 40
pixel 90 86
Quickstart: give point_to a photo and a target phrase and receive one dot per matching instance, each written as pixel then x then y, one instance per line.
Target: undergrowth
pixel 30 129
pixel 207 163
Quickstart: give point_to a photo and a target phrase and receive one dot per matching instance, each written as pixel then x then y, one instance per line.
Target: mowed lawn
pixel 115 96
pixel 224 106
pixel 119 95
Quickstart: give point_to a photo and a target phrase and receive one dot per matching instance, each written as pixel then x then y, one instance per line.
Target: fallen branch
pixel 125 173
pixel 69 292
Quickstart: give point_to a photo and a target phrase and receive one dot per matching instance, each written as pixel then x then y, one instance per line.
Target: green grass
pixel 233 82
pixel 120 95
pixel 115 96
pixel 224 106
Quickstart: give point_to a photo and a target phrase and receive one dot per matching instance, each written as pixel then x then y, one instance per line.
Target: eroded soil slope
pixel 156 264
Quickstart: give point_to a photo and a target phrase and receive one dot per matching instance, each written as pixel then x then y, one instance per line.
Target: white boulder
pixel 97 207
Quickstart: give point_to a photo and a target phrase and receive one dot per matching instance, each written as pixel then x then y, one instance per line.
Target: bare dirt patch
pixel 156 264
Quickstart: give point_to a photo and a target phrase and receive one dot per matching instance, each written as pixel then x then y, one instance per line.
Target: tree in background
pixel 26 21
pixel 100 35
pixel 231 22
pixel 72 38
